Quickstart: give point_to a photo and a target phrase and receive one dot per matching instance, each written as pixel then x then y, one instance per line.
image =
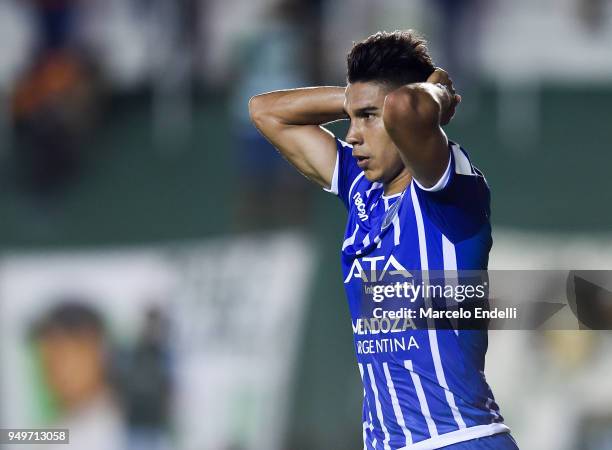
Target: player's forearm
pixel 413 116
pixel 305 106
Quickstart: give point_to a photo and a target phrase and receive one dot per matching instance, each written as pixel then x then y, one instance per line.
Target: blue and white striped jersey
pixel 423 388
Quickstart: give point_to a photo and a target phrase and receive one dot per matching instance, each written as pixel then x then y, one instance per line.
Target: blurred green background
pixel 133 190
pixel 162 158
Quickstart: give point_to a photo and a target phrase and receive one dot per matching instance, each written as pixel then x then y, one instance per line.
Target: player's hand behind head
pixel 441 77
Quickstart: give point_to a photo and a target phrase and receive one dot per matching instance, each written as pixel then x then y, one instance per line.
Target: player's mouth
pixel 362 161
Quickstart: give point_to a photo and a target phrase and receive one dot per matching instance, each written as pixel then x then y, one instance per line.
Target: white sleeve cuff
pixel 334 183
pixel 442 182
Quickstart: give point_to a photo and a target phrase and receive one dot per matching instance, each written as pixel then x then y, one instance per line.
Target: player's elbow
pixel 257 110
pixel 412 107
pixel 263 114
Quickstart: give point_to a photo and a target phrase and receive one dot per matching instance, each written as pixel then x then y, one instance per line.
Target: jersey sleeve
pixel 459 203
pixel 346 172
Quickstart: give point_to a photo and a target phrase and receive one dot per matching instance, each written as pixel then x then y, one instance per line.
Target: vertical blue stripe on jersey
pixel 368 423
pixel 378 403
pixel 401 434
pixel 399 415
pixel 377 431
pixel 407 395
pixel 408 228
pixel 430 249
pixel 422 398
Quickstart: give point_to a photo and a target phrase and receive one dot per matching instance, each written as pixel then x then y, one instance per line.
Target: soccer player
pixel 415 203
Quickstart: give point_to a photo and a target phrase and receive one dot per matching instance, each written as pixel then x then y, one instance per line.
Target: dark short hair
pixel 70 316
pixel 396 58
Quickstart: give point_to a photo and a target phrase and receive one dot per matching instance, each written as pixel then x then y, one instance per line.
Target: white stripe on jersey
pixel 433 338
pixel 378 241
pixel 396 229
pixel 462 163
pixel 365 427
pixel 396 407
pixel 374 442
pixel 379 412
pixel 376 185
pixel 450 265
pixel 350 240
pixel 431 426
pixel 449 255
pixel 365 424
pixel 454 437
pixel 357 178
pixel 421 234
pixel 450 398
pixel 395 222
pixel 366 240
pixel 334 182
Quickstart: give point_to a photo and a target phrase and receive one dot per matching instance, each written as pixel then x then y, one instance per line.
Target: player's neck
pixel 398 184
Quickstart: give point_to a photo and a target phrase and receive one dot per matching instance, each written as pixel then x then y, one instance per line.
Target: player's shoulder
pixel 460 174
pixel 459 204
pixel 466 179
pixel 461 160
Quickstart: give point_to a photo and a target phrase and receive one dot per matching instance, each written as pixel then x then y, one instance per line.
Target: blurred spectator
pixel 271 58
pixel 592 13
pixel 147 386
pixel 56 22
pixel 53 102
pixel 52 109
pixel 458 36
pixel 72 343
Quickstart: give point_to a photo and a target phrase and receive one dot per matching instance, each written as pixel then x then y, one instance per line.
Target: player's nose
pixel 353 137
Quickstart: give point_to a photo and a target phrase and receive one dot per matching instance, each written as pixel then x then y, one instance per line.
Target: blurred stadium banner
pixel 233 308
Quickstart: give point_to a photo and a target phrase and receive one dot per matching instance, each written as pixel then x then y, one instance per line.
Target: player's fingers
pixel 438 76
pixel 445 80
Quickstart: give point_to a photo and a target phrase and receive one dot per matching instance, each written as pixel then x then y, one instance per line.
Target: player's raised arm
pixel 291 120
pixel 413 116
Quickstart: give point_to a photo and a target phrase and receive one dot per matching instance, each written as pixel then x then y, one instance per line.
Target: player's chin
pixel 372 174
